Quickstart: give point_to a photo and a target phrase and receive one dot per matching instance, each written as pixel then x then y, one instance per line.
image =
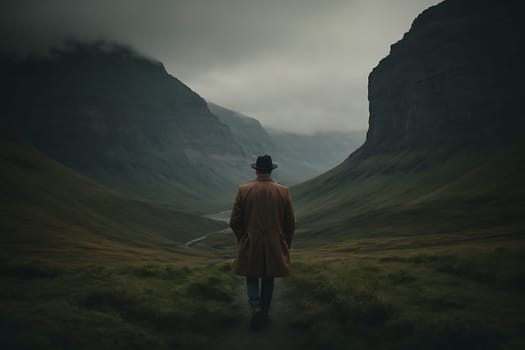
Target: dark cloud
pixel 299 64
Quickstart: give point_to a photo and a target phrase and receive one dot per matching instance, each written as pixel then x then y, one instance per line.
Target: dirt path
pixel 276 335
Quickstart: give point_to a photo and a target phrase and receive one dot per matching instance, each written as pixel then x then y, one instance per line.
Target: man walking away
pixel 263 221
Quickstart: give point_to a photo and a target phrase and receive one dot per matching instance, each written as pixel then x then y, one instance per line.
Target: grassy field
pixel 385 257
pixel 432 292
pixel 154 306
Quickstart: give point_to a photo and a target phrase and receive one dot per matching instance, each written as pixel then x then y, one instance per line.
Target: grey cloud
pixel 300 65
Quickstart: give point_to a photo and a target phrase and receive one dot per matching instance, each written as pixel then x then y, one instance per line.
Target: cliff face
pixel 122 119
pixel 453 80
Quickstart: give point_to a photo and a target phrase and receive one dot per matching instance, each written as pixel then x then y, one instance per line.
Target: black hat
pixel 264 163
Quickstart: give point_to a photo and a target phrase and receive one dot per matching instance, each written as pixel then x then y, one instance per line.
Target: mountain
pixel 443 153
pixel 309 155
pixel 453 80
pixel 301 157
pixel 247 131
pixel 120 118
pixel 51 212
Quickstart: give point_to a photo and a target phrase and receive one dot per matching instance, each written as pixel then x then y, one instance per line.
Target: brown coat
pixel 263 220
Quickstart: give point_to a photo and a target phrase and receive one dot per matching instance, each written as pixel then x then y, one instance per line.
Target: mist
pixel 295 65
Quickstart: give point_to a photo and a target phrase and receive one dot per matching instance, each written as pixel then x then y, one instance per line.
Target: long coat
pixel 263 221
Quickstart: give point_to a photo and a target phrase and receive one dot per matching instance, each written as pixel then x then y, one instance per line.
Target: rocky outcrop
pixel 455 79
pixel 121 118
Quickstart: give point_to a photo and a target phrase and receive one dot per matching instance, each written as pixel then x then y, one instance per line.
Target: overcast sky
pixel 298 65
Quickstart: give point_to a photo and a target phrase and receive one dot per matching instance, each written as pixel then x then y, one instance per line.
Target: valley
pixel 118 180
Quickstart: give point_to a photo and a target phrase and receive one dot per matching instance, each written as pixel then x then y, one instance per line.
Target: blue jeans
pixel 264 298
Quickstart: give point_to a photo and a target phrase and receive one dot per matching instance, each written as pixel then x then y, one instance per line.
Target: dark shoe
pixel 265 319
pixel 257 320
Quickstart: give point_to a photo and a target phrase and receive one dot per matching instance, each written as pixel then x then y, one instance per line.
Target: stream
pixel 223 216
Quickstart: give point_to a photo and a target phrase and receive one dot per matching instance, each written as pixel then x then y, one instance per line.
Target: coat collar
pixel 263 177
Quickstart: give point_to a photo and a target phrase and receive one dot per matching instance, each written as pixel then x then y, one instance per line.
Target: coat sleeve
pixel 289 221
pixel 236 218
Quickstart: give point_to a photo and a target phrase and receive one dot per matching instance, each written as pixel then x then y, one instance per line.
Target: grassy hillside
pixel 50 211
pixel 83 267
pixel 413 250
pixel 415 192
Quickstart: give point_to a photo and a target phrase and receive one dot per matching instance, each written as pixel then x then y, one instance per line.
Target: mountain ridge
pixel 123 120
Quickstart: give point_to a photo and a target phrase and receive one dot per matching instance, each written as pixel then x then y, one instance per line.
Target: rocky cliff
pixel 453 80
pixel 121 118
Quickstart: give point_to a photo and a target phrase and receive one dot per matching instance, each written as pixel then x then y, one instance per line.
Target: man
pixel 263 221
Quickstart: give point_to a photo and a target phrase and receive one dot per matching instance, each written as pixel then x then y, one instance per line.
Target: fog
pixel 297 65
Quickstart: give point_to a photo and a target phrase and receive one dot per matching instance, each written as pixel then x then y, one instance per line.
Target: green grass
pixel 453 295
pixel 48 211
pixel 424 192
pixel 404 251
pixel 153 306
pixel 413 250
pixel 84 267
pixel 410 251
